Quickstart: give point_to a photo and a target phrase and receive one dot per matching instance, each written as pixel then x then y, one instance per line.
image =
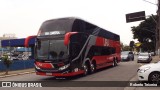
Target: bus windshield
pixel 51 50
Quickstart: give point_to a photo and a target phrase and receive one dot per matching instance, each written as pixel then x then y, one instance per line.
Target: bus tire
pixel 115 63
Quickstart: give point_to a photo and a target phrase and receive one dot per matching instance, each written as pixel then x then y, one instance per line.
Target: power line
pixel 150 2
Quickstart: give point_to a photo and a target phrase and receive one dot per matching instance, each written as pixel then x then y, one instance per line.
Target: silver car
pixel 144 57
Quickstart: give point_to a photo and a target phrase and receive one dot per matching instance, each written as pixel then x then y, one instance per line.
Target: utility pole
pixel 157 30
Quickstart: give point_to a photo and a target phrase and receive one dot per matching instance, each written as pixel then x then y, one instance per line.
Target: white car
pixel 149 72
pixel 144 57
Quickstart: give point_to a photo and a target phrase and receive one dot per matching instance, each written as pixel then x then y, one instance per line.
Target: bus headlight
pixel 36 66
pixel 64 67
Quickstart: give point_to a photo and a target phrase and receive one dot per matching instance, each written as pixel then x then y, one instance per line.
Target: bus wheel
pixel 85 67
pixel 114 63
pixel 93 67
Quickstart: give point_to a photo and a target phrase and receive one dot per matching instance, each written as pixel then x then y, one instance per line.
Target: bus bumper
pixel 60 74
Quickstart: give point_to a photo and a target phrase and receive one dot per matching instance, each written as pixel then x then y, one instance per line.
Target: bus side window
pixel 97 51
pixel 94 51
pixel 106 51
pixel 113 50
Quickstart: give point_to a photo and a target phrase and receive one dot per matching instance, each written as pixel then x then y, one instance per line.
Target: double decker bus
pixel 71 46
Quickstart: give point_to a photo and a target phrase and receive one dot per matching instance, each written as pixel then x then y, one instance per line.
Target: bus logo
pixel 106 42
pixel 6 84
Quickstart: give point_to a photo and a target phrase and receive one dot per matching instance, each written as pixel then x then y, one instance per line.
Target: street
pixel 125 71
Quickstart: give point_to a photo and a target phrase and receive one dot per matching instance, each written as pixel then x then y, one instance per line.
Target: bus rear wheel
pixel 114 63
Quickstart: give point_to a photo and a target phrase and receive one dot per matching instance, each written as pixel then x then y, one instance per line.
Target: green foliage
pixel 126 48
pixel 145 33
pixel 6 61
pixel 121 45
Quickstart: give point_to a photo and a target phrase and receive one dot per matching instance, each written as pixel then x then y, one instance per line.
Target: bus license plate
pixel 49 74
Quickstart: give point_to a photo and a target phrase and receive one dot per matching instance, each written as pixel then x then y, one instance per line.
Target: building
pixel 7 36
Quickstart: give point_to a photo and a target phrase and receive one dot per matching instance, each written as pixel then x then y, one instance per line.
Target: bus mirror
pixel 67 37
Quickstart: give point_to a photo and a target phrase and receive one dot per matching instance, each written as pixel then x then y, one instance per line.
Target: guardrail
pixel 18 65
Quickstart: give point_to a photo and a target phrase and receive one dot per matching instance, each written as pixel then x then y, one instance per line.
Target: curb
pixel 16 74
pixel 134 78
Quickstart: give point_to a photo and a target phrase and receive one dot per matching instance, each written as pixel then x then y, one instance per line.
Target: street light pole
pixel 157 30
pixel 9 48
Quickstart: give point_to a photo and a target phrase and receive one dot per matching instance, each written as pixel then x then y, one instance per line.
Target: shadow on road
pixel 75 77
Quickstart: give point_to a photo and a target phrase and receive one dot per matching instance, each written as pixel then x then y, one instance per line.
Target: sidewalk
pixel 17 72
pixel 155 58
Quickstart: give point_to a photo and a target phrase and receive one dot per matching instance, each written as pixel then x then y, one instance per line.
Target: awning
pixel 17 42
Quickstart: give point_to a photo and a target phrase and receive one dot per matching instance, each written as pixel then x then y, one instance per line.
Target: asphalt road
pixel 125 71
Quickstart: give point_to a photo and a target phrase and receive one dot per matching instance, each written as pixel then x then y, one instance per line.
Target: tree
pixel 145 33
pixel 127 48
pixel 121 45
pixel 6 62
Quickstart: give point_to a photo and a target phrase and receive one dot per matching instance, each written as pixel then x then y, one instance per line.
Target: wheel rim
pixel 155 77
pixel 85 69
pixel 92 67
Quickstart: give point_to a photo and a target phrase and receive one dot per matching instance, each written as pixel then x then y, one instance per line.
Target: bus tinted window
pixel 100 50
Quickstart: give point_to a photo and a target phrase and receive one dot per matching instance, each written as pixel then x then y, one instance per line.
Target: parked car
pixel 153 53
pixel 149 72
pixel 144 57
pixel 136 53
pixel 127 55
pixel 0 59
pixel 14 57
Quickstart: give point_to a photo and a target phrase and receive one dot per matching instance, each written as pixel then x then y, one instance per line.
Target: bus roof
pixel 72 24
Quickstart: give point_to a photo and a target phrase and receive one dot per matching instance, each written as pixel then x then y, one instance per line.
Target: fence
pixel 18 65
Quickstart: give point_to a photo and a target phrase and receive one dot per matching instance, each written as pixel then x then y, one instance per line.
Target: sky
pixel 24 17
